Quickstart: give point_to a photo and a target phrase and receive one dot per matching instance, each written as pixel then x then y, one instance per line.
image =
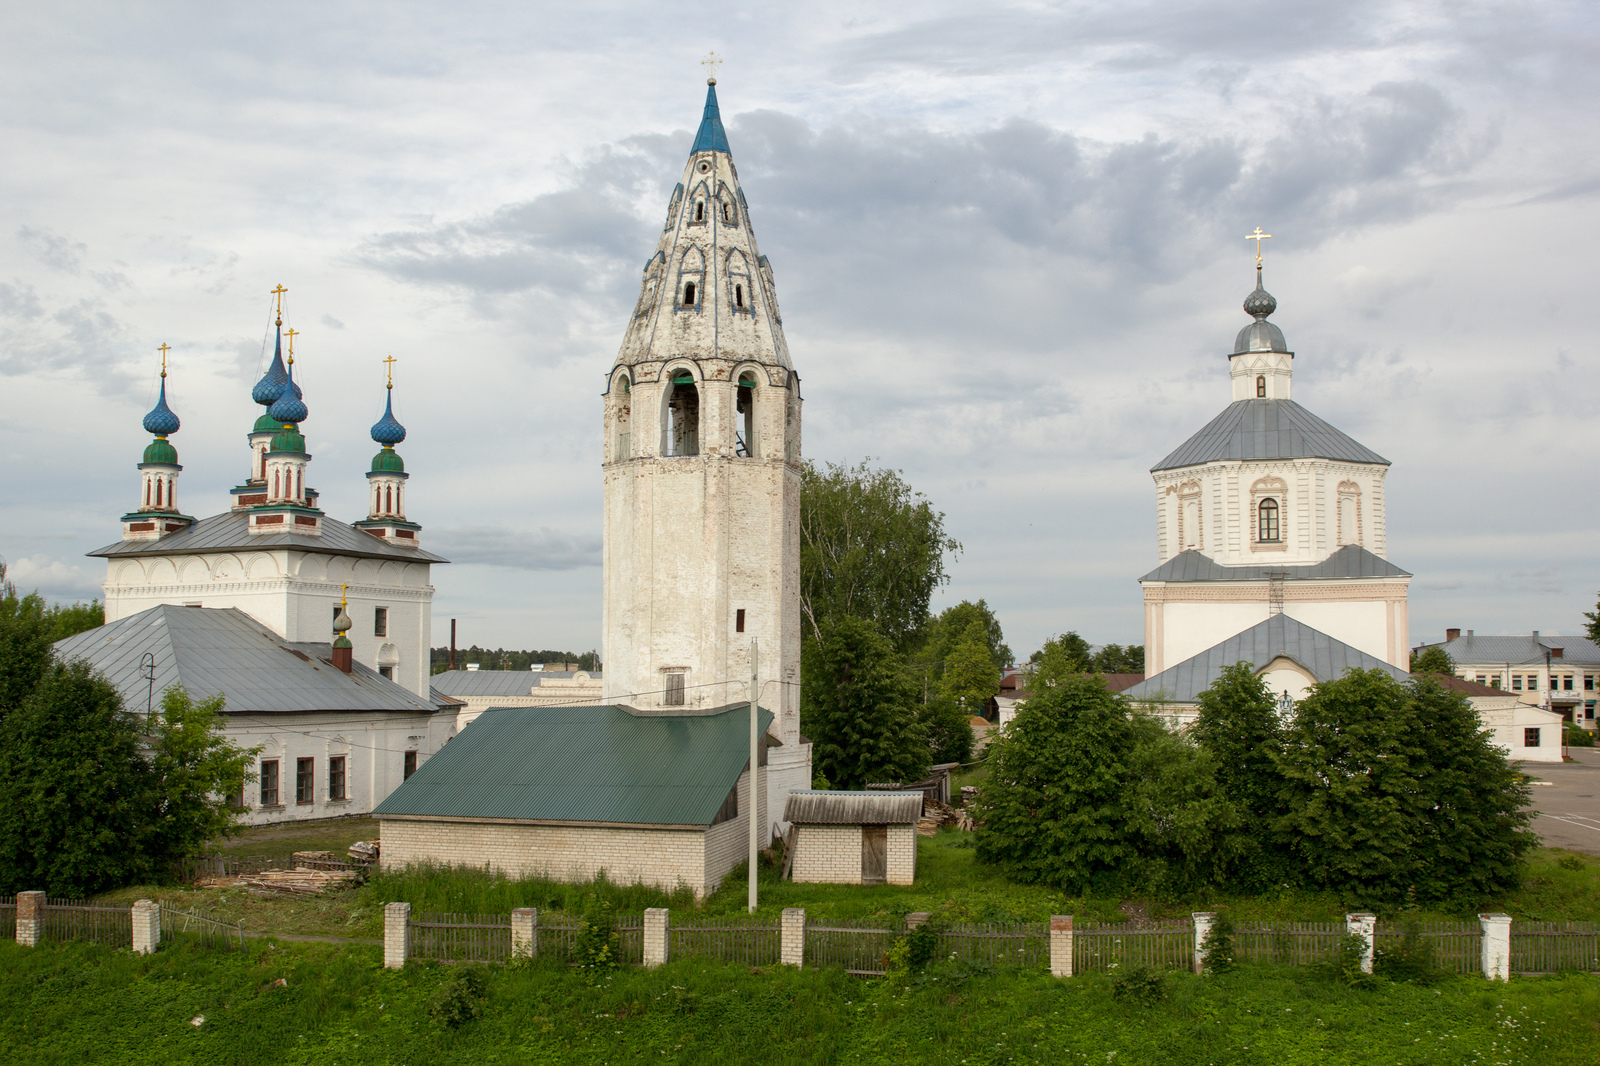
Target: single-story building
pixel 478 690
pixel 1531 734
pixel 854 838
pixel 650 797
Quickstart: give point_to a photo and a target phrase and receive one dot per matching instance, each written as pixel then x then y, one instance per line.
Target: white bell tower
pixel 702 474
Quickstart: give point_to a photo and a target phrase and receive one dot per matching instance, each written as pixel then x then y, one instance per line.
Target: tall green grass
pixel 467 890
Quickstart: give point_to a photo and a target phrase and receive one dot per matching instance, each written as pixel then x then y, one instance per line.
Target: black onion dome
pixel 1260 335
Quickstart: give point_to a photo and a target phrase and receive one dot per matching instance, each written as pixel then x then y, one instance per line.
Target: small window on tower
pixel 675 691
pixel 738 620
pixel 688 294
pixel 1261 386
pixel 738 295
pixel 699 210
pixel 727 214
pixel 1268 528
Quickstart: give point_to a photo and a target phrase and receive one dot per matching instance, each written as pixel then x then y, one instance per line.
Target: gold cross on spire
pixel 291 333
pixel 164 349
pixel 1258 237
pixel 390 370
pixel 344 599
pixel 277 294
pixel 710 62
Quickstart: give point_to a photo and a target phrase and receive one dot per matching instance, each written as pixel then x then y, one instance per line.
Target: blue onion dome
pixel 388 461
pixel 270 387
pixel 161 450
pixel 1260 335
pixel 161 421
pixel 387 431
pixel 288 408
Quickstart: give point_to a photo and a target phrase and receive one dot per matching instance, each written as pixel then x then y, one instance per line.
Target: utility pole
pixel 755 803
pixel 452 643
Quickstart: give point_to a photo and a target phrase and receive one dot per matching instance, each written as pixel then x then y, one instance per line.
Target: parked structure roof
pixel 1350 561
pixel 230 532
pixel 1324 657
pixel 1267 429
pixel 480 683
pixel 606 765
pixel 853 808
pixel 1528 649
pixel 209 650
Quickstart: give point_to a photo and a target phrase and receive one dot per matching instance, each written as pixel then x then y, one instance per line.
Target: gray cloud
pixel 546 549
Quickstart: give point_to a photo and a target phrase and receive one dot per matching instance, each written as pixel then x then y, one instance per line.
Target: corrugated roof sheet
pixel 1324 657
pixel 853 808
pixel 1521 650
pixel 584 764
pixel 469 683
pixel 209 650
pixel 1352 560
pixel 1267 429
pixel 230 532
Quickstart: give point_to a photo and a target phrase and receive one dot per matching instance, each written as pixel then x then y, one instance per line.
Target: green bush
pixel 1218 944
pixel 1138 983
pixel 1344 963
pixel 460 999
pixel 1579 737
pixel 1410 960
pixel 595 947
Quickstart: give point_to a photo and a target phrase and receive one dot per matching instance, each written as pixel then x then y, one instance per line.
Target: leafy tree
pixel 948 726
pixel 971 676
pixel 1238 725
pixel 859 707
pixel 1116 659
pixel 74 788
pixel 870 547
pixel 1432 660
pixel 1393 789
pixel 196 769
pixel 951 626
pixel 27 629
pixel 1186 830
pixel 1060 658
pixel 1591 625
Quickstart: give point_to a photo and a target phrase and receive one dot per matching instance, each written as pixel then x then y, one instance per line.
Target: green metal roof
pixel 584 764
pixel 266 424
pixel 161 450
pixel 388 461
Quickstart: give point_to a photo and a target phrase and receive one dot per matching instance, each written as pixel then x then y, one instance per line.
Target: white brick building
pixel 854 838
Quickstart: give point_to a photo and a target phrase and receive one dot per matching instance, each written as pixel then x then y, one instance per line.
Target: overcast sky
pixel 1007 239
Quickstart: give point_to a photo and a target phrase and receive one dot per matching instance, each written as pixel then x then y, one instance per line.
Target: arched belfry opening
pixel 681 415
pixel 622 408
pixel 748 439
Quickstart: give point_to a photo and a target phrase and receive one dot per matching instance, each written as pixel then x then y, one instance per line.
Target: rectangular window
pixel 236 799
pixel 1530 737
pixel 380 621
pixel 269 783
pixel 386 671
pixel 336 784
pixel 738 620
pixel 411 763
pixel 1588 710
pixel 1516 682
pixel 1566 682
pixel 336 610
pixel 1494 682
pixel 305 779
pixel 1533 682
pixel 1588 682
pixel 1482 679
pixel 674 697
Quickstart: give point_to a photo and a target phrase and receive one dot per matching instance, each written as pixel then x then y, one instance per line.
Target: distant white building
pixel 1555 673
pixel 478 690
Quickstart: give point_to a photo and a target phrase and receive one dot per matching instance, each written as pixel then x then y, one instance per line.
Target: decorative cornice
pixel 1390 590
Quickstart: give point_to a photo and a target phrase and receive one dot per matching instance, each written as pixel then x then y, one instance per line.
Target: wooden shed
pixel 854 838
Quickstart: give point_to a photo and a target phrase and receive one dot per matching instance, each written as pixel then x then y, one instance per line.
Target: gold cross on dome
pixel 164 349
pixel 710 62
pixel 1258 237
pixel 344 598
pixel 291 333
pixel 389 369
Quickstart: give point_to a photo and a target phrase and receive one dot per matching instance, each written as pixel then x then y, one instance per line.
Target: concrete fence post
pixel 146 926
pixel 1363 926
pixel 524 932
pixel 30 918
pixel 1061 945
pixel 1203 921
pixel 1496 945
pixel 396 935
pixel 655 936
pixel 792 937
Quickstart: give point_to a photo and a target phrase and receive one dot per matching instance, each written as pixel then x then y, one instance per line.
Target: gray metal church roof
pixel 1324 657
pixel 469 683
pixel 1475 650
pixel 1350 561
pixel 853 808
pixel 210 650
pixel 1267 429
pixel 230 532
pixel 584 764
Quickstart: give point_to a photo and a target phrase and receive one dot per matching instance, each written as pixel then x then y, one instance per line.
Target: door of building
pixel 874 854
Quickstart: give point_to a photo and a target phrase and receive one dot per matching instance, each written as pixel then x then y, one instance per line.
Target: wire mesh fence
pixel 1548 947
pixel 461 937
pixel 200 930
pixel 76 919
pixel 857 946
pixel 1025 944
pixel 743 940
pixel 1162 946
pixel 1455 947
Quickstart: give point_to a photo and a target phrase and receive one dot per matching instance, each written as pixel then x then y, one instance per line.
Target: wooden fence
pixel 76 919
pixel 746 940
pixel 8 917
pixel 856 946
pixel 1024 944
pixel 1456 947
pixel 461 937
pixel 195 927
pixel 1546 947
pixel 199 868
pixel 1288 943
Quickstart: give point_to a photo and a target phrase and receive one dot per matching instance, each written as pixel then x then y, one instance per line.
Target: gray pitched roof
pixel 584 764
pixel 852 808
pixel 1267 429
pixel 1473 650
pixel 1324 657
pixel 469 683
pixel 209 650
pixel 230 532
pixel 1350 561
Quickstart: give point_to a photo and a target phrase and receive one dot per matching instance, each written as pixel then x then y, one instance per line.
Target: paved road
pixel 1569 812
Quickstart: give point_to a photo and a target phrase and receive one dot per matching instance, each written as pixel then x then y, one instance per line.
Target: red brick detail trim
pixel 269 520
pixel 307 520
pixel 412 536
pixel 145 527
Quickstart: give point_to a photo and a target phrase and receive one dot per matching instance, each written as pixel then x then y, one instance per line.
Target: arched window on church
pixel 622 405
pixel 699 210
pixel 747 441
pixel 1267 528
pixel 1261 386
pixel 738 297
pixel 689 294
pixel 681 416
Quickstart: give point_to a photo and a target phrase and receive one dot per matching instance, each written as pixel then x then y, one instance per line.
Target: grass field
pixel 77 1005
